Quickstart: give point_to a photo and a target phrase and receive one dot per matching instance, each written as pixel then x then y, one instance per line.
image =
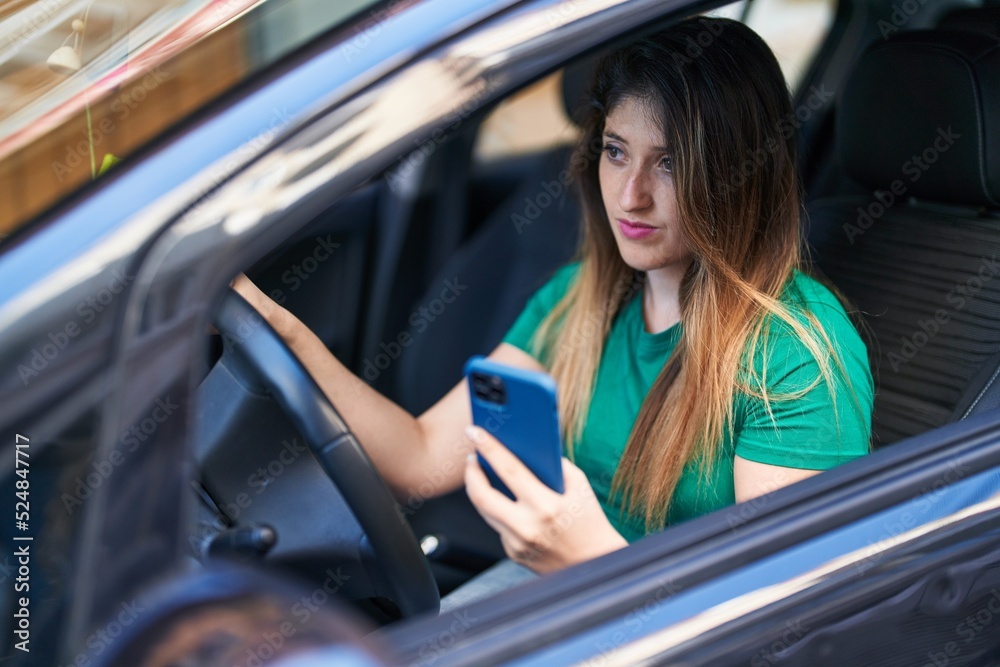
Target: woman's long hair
pixel 727 118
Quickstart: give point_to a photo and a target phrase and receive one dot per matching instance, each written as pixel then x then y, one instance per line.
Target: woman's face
pixel 638 189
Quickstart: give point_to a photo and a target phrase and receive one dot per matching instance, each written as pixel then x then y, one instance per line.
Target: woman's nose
pixel 635 195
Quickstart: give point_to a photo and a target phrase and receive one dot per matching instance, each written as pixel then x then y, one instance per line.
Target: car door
pixel 100 364
pixel 890 559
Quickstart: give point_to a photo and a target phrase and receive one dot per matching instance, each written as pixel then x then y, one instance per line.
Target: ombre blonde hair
pixel 726 115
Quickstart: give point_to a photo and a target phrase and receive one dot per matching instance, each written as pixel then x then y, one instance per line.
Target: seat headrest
pixel 976 19
pixel 576 81
pixel 923 108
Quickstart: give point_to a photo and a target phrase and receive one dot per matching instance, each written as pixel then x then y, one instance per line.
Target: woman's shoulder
pixel 802 287
pixel 553 286
pixel 812 303
pixel 557 284
pixel 566 273
pixel 824 400
pixel 804 294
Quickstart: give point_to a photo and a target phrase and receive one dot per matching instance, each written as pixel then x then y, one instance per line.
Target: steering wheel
pixel 254 351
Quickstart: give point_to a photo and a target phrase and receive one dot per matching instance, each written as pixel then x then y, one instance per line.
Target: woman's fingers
pixel 502 514
pixel 261 302
pixel 543 530
pixel 491 503
pixel 518 477
pixel 248 289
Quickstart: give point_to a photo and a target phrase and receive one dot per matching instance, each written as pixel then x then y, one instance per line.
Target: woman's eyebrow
pixel 612 135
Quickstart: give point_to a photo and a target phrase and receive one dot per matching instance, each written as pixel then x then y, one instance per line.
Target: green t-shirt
pixel 803 434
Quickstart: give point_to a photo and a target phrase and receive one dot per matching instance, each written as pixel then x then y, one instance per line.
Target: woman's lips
pixel 634 230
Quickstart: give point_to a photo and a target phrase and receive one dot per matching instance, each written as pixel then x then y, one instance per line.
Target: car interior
pixel 902 183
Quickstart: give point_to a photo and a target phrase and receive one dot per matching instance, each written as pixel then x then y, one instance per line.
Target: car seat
pixel 918 124
pixel 509 256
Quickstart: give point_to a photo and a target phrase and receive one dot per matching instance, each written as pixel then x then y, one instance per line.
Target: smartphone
pixel 517 407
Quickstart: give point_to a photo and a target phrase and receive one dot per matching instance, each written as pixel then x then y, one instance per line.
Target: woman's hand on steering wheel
pixel 262 303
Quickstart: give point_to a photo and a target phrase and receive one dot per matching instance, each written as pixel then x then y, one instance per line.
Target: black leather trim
pixel 976 19
pixel 922 110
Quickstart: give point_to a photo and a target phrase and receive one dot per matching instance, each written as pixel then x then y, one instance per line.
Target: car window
pixel 528 121
pixel 85 83
pixel 793 29
pixel 535 120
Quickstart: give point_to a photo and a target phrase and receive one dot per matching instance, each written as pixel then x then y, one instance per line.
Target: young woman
pixel 697 364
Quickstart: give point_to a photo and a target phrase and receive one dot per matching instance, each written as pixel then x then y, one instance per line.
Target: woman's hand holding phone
pixel 542 529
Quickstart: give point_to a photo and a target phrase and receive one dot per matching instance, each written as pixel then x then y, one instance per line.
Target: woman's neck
pixel 661 308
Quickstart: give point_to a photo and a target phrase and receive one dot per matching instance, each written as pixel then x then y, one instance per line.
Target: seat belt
pixel 983 393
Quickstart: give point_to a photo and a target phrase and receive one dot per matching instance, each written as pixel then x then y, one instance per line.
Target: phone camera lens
pixel 489 388
pixel 480 384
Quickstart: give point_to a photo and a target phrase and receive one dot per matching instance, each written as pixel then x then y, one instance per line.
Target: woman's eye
pixel 667 164
pixel 613 151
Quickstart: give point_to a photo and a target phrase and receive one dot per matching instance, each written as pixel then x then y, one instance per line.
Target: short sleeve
pixel 539 305
pixel 823 427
